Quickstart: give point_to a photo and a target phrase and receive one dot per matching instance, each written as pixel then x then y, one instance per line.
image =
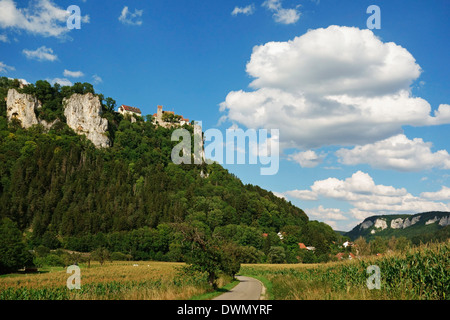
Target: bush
pixel 53 260
pixel 119 256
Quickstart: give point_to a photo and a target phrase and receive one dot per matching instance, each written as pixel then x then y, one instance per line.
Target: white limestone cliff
pixel 22 107
pixel 445 221
pixel 397 223
pixel 83 115
pixel 381 223
pixel 366 224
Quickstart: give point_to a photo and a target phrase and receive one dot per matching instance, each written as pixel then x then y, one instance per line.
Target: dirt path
pixel 247 289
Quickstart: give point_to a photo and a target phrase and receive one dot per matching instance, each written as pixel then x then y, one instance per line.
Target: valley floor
pixel 421 273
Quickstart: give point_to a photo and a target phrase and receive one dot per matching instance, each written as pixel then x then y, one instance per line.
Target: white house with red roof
pixel 132 111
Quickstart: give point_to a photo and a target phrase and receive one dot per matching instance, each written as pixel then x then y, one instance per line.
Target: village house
pixel 127 110
pixel 302 246
pixel 342 255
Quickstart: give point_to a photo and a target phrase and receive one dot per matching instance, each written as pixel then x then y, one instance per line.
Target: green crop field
pixel 420 274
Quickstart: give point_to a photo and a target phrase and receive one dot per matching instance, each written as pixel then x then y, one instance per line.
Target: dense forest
pixel 62 192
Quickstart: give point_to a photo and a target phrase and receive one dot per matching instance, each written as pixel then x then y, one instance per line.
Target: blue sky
pixel 297 66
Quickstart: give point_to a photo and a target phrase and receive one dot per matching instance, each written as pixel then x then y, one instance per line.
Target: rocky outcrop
pixel 82 112
pixel 445 221
pixel 22 107
pixel 409 223
pixel 381 223
pixel 397 223
pixel 83 115
pixel 434 220
pixel 366 224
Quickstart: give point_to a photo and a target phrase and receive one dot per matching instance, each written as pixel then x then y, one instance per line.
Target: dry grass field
pixel 112 281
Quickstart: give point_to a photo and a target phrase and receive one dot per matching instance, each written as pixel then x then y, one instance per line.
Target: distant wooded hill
pixel 418 227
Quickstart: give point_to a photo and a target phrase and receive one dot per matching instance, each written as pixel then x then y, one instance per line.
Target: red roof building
pixel 127 109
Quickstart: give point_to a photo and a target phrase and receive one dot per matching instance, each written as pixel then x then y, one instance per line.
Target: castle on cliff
pixel 168 119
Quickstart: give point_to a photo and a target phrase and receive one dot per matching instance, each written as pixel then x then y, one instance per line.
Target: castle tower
pixel 160 113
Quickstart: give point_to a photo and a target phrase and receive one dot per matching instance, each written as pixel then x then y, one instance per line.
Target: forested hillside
pixel 62 192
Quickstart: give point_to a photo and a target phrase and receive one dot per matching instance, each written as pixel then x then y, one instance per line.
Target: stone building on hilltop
pixel 168 119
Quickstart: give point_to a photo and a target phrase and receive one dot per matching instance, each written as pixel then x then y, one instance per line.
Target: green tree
pixel 101 255
pixel 210 255
pixel 276 255
pixel 13 254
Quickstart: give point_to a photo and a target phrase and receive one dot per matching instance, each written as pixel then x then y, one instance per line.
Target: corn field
pixel 114 281
pixel 420 274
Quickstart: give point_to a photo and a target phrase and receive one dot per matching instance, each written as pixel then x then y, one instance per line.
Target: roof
pixel 302 245
pixel 131 109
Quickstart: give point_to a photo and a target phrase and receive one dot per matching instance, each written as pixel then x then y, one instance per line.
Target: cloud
pixel 126 17
pixel 396 153
pixel 248 10
pixel 41 54
pixel 23 81
pixel 282 15
pixel 4 38
pixel 334 86
pixel 5 68
pixel 368 198
pixel 73 74
pixel 279 195
pixel 61 81
pixel 97 79
pixel 326 213
pixel 306 159
pixel 443 194
pixel 306 195
pixel 42 17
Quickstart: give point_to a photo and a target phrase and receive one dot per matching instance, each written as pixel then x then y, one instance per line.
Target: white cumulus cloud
pixel 127 17
pixel 41 17
pixel 443 194
pixel 41 54
pixel 306 159
pixel 248 10
pixel 332 86
pixel 5 68
pixel 396 153
pixel 73 74
pixel 60 81
pixel 282 15
pixel 326 213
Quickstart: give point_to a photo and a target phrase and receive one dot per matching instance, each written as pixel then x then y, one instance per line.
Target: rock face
pixel 445 221
pixel 397 223
pixel 22 107
pixel 366 224
pixel 83 115
pixel 381 223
